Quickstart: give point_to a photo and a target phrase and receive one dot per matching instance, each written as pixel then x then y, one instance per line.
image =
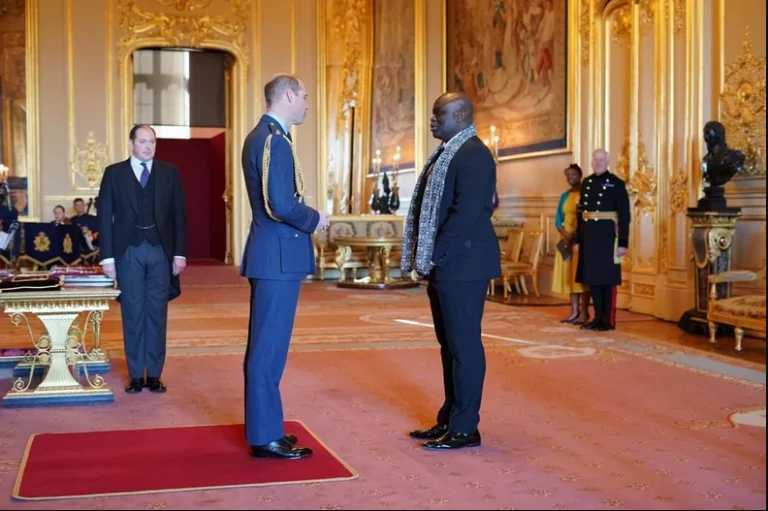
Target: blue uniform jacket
pixel 276 250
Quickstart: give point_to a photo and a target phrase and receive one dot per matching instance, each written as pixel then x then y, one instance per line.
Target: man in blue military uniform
pixel 278 256
pixel 603 239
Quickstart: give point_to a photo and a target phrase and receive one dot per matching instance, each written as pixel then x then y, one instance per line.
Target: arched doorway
pixel 234 193
pixel 184 95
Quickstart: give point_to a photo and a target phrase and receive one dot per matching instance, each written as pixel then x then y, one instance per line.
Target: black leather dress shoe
pixel 589 326
pixel 432 433
pixel 291 439
pixel 601 327
pixel 453 440
pixel 156 385
pixel 134 386
pixel 280 449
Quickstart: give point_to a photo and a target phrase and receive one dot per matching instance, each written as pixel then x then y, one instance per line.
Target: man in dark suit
pixel 278 256
pixel 143 231
pixel 449 239
pixel 603 239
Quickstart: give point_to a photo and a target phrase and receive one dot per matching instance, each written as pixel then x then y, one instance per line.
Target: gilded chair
pixel 741 312
pixel 510 253
pixel 528 266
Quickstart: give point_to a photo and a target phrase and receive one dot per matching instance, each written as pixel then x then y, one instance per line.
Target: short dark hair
pixel 79 199
pixel 279 85
pixel 575 167
pixel 59 206
pixel 137 127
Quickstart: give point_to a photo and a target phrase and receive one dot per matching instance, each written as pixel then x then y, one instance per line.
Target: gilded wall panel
pixel 345 56
pixel 19 133
pixel 739 95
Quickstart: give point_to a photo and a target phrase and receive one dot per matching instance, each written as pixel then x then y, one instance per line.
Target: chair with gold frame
pixel 741 312
pixel 526 267
pixel 510 253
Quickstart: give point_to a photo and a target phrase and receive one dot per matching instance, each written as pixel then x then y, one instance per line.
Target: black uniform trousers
pixel 604 301
pixel 598 269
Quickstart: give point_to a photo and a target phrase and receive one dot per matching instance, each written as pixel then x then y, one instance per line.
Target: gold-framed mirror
pixel 19 156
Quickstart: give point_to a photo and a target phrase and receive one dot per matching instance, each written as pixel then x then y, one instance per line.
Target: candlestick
pixel 395 165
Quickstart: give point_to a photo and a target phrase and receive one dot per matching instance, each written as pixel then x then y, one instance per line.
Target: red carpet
pixel 69 465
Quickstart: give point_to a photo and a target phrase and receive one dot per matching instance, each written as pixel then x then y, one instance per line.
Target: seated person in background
pixel 60 216
pixel 81 209
pixel 564 277
pixel 88 223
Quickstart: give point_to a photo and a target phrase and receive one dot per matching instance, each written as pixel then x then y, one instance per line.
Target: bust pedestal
pixel 713 229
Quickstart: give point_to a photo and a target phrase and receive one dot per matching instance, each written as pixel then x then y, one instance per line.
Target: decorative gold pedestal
pixel 62 349
pixel 379 261
pixel 712 237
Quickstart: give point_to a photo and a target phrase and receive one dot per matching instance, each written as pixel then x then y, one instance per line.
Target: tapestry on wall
pixel 510 56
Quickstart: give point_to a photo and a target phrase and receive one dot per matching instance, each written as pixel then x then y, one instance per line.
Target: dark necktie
pixel 144 174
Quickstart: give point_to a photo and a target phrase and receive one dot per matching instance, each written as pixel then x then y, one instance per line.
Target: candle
pixel 495 142
pixel 377 163
pixel 396 164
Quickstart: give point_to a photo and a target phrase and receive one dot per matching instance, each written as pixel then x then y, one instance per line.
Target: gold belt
pixel 606 215
pixel 601 215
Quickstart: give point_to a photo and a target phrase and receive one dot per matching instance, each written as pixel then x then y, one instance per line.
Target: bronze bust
pixel 718 166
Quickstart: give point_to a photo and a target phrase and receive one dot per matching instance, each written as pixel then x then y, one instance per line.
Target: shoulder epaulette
pixel 275 129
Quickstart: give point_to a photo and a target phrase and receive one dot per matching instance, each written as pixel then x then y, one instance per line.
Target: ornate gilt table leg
pixel 374 265
pixel 61 351
pixel 58 375
pixel 343 255
pixel 379 259
pixel 97 359
pixel 385 262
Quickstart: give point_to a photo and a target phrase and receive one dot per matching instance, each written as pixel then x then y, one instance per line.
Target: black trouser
pixel 457 312
pixel 604 301
pixel 144 275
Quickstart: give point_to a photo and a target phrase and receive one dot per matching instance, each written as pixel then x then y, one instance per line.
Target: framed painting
pixel 393 84
pixel 511 58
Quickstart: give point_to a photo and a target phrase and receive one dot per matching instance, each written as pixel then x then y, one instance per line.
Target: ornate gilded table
pixel 61 348
pixel 379 261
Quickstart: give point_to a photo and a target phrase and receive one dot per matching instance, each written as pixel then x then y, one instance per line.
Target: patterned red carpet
pixel 569 420
pixel 173 459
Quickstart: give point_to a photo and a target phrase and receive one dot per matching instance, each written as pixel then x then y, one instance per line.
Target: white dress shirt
pixel 137 170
